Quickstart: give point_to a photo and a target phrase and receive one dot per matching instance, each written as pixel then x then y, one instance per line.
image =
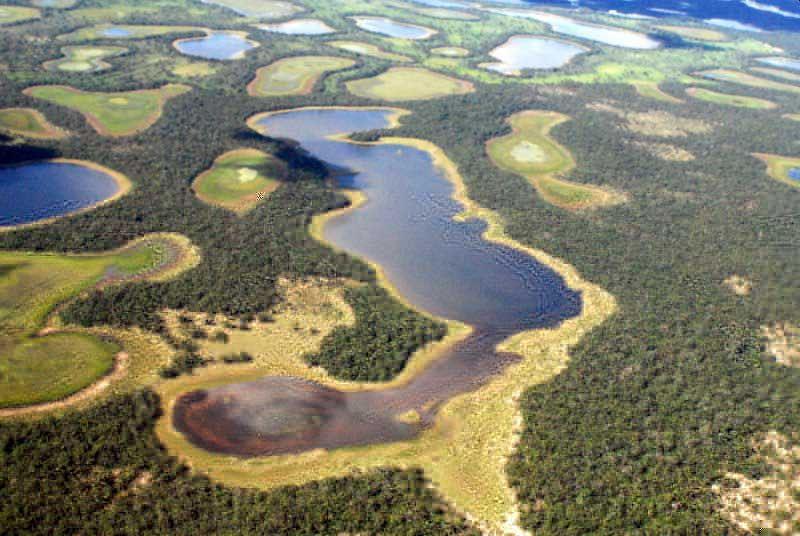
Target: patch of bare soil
pixel 783 342
pixel 665 151
pixel 739 285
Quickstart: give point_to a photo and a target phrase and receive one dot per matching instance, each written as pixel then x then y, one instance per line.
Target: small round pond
pixel 37 191
pixel 217 46
pixel 532 52
pixel 794 174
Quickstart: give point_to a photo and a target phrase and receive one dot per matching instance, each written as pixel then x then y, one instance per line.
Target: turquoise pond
pixel 38 191
pixel 522 52
pixel 608 35
pixel 393 28
pixel 216 46
pixel 116 32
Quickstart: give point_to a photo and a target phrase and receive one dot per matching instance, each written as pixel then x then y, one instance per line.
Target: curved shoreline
pixel 124 186
pixel 209 33
pixel 52 132
pixel 464 451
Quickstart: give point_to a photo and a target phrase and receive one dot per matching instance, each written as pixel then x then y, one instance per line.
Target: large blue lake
pixel 439 265
pixel 41 190
pixel 216 46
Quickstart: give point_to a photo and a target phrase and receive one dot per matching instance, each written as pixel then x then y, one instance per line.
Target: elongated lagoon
pixel 439 265
pixel 39 191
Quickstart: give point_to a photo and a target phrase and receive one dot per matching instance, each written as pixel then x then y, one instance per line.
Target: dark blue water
pixel 37 191
pixel 217 46
pixel 794 174
pixel 439 265
pixel 769 15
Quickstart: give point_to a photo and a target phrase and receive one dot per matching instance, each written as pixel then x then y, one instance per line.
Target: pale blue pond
pixel 298 27
pixel 608 35
pixel 216 46
pixel 783 63
pixel 393 28
pixel 794 174
pixel 116 32
pixel 41 190
pixel 530 52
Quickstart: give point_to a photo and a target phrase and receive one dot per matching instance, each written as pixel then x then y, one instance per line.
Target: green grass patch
pixel 193 69
pixel 367 49
pixel 529 151
pixel 15 14
pixel 739 77
pixel 451 52
pixel 112 114
pixel 651 90
pixel 294 76
pixel 84 59
pixel 727 99
pixel 260 9
pixel 780 167
pixel 126 31
pixel 697 34
pixel 240 179
pixel 407 84
pixel 777 73
pixel 29 123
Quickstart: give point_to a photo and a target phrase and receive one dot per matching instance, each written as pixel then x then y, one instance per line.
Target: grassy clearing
pixel 727 99
pixel 777 73
pixel 193 69
pixel 39 366
pixel 780 167
pixel 15 14
pixel 112 114
pixel 295 75
pixel 84 59
pixel 651 90
pixel 29 123
pixel 260 9
pixel 739 77
pixel 783 342
pixel 240 180
pixel 464 453
pixel 792 117
pixel 126 31
pixel 407 84
pixel 530 151
pixel 368 49
pixel 655 123
pixel 666 151
pixel 697 34
pixel 451 52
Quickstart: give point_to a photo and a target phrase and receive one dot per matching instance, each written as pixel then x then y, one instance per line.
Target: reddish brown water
pixel 441 266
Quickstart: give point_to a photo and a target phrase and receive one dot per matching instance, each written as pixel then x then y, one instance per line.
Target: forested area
pixel 654 407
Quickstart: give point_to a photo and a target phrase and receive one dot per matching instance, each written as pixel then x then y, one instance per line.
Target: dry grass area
pixel 665 151
pixel 739 285
pixel 770 503
pixel 783 342
pixel 655 123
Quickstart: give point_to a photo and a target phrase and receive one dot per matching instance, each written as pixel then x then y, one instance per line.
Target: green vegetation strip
pixel 451 52
pixel 726 99
pixel 529 151
pixel 777 73
pixel 368 49
pixel 112 114
pixel 82 59
pixel 240 179
pixel 739 77
pixel 651 90
pixel 407 84
pixel 295 75
pixel 131 31
pixel 779 167
pixel 29 123
pixel 699 34
pixel 15 14
pixel 260 9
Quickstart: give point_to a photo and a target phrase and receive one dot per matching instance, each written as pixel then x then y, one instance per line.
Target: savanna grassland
pixel 662 409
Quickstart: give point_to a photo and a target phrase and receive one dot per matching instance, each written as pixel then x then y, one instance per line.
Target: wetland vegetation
pixel 296 75
pixel 408 84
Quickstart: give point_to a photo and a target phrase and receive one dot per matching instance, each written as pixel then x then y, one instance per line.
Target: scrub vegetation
pixel 127 31
pixel 294 76
pixel 240 179
pixel 727 99
pixel 408 84
pixel 112 114
pixel 367 49
pixel 29 123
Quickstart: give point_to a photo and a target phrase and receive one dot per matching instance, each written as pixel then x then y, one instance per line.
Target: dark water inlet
pixel 439 265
